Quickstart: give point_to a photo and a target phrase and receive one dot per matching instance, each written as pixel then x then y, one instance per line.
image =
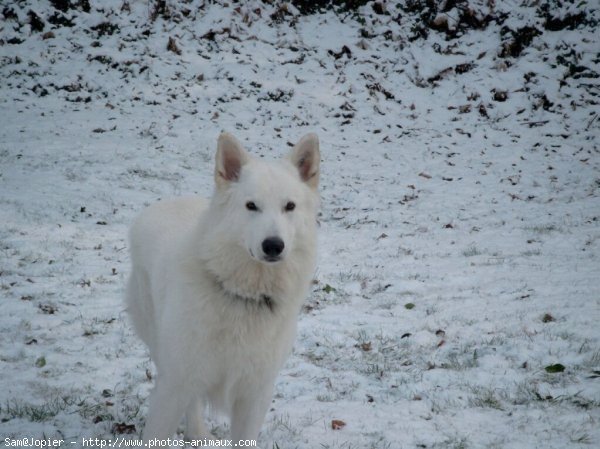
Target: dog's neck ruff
pixel 260 300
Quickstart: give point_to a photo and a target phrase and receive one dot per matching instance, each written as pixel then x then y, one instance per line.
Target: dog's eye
pixel 251 205
pixel 290 206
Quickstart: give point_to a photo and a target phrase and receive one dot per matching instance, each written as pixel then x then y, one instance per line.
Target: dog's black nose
pixel 272 246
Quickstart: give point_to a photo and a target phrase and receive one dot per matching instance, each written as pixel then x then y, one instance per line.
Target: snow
pixel 485 224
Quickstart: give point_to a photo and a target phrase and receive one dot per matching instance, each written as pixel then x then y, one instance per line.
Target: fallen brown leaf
pixel 337 424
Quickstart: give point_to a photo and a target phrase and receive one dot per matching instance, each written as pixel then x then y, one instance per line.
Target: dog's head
pixel 268 207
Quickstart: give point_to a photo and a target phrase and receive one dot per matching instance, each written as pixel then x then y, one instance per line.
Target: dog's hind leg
pixel 195 428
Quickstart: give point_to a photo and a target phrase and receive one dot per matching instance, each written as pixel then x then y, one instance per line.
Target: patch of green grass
pixel 531 252
pixel 361 336
pixel 386 304
pixel 328 288
pixel 585 403
pixel 486 398
pixel 580 437
pixel 17 408
pixel 353 276
pixel 452 443
pixel 381 443
pixel 326 398
pixel 544 229
pixel 471 251
pixel 461 360
pixel 284 423
pixel 458 443
pixel 96 411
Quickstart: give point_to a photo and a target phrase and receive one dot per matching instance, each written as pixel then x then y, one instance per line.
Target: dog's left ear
pixel 306 157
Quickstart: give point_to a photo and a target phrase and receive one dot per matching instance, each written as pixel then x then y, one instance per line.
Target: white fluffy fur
pixel 197 283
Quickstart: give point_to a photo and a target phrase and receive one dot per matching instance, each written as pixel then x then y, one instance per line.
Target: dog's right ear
pixel 231 156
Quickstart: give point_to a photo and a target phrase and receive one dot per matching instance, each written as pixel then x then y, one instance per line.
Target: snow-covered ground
pixel 459 241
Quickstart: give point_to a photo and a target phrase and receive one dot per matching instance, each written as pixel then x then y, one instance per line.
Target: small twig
pixel 532 124
pixel 591 121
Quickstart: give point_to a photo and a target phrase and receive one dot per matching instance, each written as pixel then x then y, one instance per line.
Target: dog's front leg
pixel 167 405
pixel 249 413
pixel 195 429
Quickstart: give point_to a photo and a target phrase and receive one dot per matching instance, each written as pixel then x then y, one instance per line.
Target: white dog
pixel 216 288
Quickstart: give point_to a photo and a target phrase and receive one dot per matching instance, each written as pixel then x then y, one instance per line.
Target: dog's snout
pixel 272 246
